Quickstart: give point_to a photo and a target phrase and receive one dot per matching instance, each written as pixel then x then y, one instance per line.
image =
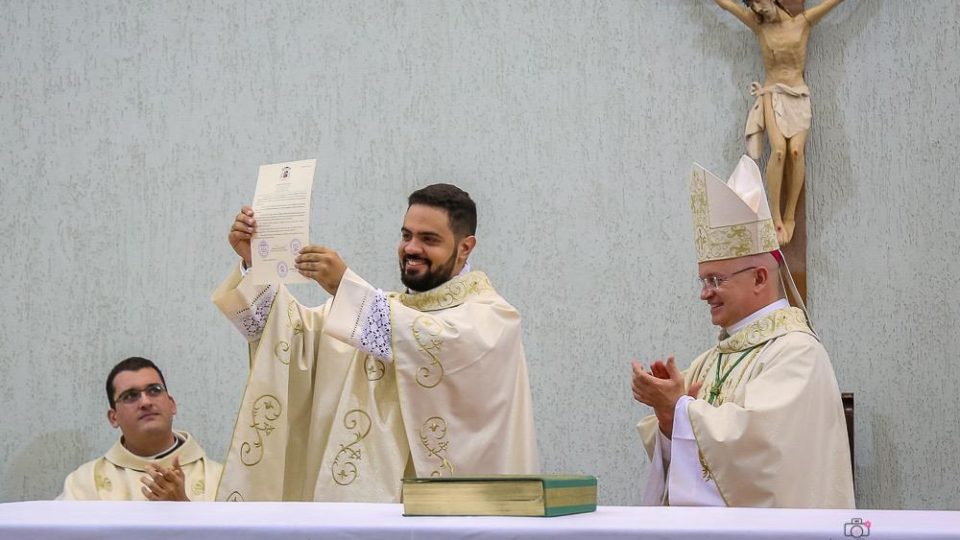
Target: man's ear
pixel 173 410
pixel 112 418
pixel 466 247
pixel 763 276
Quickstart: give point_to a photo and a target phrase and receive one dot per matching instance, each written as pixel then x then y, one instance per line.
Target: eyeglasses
pixel 714 282
pixel 132 396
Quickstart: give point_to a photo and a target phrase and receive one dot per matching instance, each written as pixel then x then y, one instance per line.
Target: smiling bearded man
pixel 346 399
pixel 757 419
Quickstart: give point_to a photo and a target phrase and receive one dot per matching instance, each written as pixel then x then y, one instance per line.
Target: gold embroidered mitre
pixel 731 219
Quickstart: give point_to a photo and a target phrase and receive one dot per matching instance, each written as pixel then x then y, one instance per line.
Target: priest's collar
pixel 762 312
pixel 188 450
pixel 765 328
pixel 451 294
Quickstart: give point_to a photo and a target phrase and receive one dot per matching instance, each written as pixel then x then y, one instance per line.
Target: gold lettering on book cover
pixel 345 468
pixel 265 409
pixel 433 437
pixel 427 333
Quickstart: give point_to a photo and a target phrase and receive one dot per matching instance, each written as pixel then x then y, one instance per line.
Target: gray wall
pixel 131 132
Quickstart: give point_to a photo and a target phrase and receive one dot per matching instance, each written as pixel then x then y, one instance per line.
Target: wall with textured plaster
pixel 131 133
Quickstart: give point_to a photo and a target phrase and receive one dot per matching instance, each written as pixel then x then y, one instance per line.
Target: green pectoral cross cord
pixel 718 380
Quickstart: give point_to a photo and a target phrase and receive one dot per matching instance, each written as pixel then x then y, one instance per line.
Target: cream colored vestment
pixel 775 435
pixel 116 476
pixel 322 420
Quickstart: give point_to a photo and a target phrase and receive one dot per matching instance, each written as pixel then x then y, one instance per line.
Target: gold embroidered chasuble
pixel 116 476
pixel 775 434
pixel 322 420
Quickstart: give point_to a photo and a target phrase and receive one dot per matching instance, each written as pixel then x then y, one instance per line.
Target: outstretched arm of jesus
pixel 820 10
pixel 740 11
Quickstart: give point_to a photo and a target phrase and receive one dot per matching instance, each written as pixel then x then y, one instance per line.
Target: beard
pixel 432 277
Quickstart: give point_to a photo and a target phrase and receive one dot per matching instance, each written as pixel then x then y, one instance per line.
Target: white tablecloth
pixel 238 521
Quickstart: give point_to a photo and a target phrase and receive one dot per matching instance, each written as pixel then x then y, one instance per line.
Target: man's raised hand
pixel 661 388
pixel 322 265
pixel 240 233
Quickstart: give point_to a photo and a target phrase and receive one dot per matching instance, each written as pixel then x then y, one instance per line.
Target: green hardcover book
pixel 503 495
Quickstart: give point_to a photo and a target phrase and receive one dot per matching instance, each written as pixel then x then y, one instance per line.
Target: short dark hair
pixel 134 363
pixel 460 208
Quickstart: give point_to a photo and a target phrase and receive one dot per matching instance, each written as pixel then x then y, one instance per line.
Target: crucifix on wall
pixel 782 110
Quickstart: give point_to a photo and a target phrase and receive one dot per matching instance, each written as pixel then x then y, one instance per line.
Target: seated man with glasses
pixel 151 461
pixel 757 419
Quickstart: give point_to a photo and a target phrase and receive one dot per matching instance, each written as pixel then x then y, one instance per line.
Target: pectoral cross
pixel 714 394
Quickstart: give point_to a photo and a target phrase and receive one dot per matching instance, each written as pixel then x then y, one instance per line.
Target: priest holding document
pixel 346 399
pixel 757 419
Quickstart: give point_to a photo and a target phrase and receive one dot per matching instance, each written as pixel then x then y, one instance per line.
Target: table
pixel 240 521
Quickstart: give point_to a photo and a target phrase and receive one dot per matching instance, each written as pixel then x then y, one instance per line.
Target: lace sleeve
pixel 251 319
pixel 375 333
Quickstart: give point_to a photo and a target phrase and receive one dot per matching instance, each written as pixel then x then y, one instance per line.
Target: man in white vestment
pixel 151 461
pixel 346 399
pixel 757 419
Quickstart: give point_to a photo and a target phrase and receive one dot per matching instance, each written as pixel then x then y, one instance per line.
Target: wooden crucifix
pixel 782 111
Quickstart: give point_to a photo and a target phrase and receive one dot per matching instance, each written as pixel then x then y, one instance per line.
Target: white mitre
pixel 731 219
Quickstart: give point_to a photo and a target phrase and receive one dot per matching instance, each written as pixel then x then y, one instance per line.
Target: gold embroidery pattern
pixel 774 325
pixel 433 434
pixel 728 241
pixel 293 313
pixel 278 353
pixel 427 331
pixel 235 497
pixel 707 473
pixel 103 483
pixel 281 353
pixel 346 471
pixel 199 487
pixel 701 218
pixel 266 409
pixel 374 368
pixel 450 294
pixel 768 236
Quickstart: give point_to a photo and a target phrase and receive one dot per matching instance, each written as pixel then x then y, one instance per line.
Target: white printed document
pixel 281 207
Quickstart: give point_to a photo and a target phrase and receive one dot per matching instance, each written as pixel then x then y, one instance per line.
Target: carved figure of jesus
pixel 782 108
